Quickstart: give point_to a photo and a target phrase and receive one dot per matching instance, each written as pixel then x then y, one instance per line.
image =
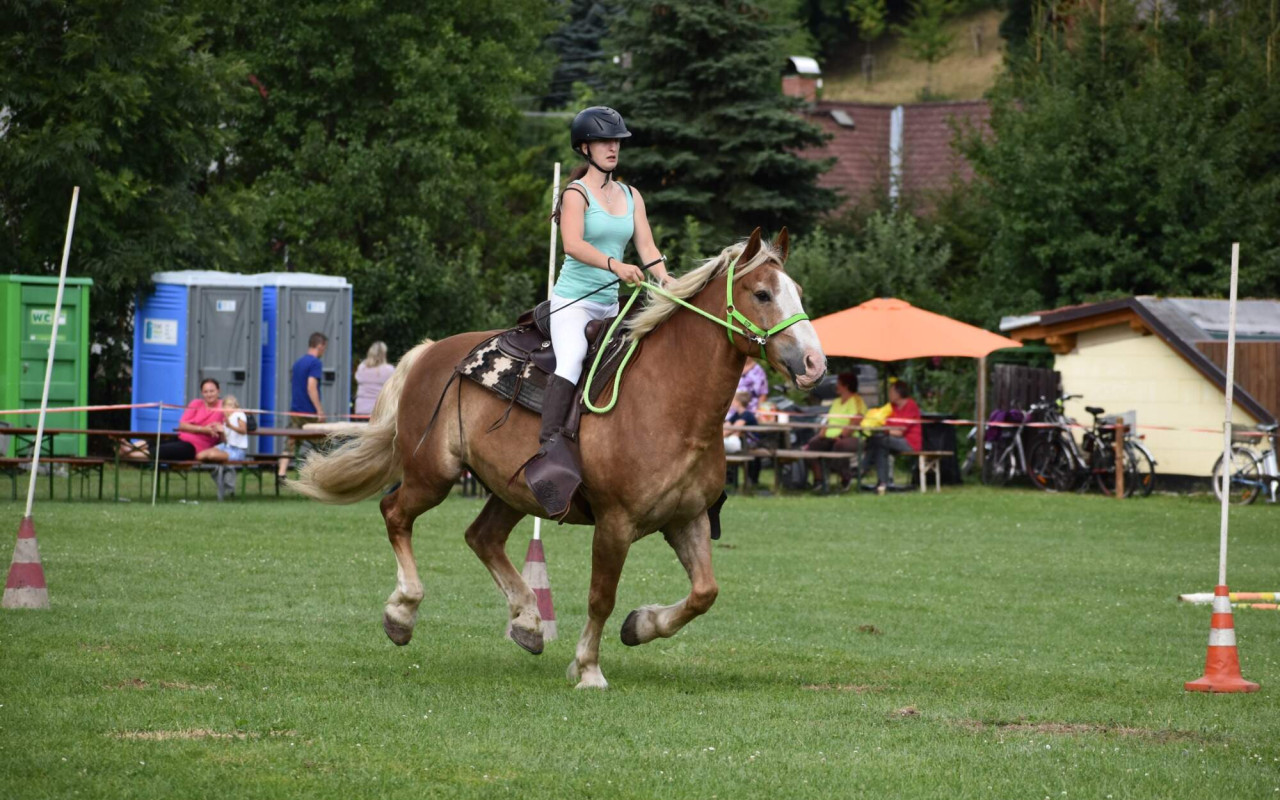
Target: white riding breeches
pixel 567 334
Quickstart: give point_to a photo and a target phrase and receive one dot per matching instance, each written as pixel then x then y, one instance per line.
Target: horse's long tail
pixel 365 464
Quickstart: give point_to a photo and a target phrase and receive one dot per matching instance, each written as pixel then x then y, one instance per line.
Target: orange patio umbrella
pixel 887 329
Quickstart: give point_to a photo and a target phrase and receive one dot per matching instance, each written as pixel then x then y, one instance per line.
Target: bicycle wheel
pixel 999 468
pixel 1102 463
pixel 1245 474
pixel 1146 468
pixel 1051 466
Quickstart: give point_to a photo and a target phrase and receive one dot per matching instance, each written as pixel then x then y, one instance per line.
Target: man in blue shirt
pixel 305 405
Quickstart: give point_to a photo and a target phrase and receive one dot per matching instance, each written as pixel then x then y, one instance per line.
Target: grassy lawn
pixel 975 643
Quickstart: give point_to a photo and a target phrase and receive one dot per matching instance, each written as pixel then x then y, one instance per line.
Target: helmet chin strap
pixel 608 174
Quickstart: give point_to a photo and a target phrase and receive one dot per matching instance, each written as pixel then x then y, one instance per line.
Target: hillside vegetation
pixel 965 74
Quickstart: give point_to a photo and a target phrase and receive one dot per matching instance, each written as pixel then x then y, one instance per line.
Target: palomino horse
pixel 654 463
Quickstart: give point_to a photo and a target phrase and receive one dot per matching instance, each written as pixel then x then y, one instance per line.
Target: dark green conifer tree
pixel 714 138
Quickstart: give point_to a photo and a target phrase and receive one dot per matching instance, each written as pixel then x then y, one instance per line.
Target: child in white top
pixel 235 433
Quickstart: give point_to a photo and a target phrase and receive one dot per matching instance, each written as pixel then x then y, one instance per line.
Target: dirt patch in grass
pixel 908 711
pixel 871 629
pixel 1075 729
pixel 856 688
pixel 139 683
pixel 194 734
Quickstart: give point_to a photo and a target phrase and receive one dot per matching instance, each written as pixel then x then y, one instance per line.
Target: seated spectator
pixel 840 433
pixel 200 427
pixel 736 442
pixel 235 443
pixel 754 382
pixel 738 416
pixel 900 434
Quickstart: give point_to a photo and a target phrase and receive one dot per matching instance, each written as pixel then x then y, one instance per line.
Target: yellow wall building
pixel 1138 355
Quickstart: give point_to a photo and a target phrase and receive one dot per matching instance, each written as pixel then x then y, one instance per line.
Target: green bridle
pixel 749 330
pixel 757 334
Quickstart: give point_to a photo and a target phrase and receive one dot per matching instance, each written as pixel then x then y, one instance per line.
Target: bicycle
pixel 1063 465
pixel 1007 457
pixel 1251 472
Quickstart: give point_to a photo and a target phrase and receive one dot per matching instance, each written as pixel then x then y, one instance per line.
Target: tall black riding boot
pixel 555 473
pixel 556 401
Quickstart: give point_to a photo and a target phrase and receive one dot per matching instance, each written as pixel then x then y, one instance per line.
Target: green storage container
pixel 26 321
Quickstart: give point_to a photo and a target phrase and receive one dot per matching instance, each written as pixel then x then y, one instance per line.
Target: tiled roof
pixel 861 170
pixel 928 159
pixel 861 152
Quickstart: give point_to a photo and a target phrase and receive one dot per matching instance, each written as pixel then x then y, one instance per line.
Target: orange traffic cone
pixel 25 587
pixel 1222 664
pixel 535 574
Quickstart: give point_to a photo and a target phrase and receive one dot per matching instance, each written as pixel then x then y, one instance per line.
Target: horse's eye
pixel 762 296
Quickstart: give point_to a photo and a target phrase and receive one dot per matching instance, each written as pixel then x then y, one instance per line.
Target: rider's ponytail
pixel 575 174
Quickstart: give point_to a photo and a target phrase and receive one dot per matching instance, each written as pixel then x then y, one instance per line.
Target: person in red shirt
pixel 900 435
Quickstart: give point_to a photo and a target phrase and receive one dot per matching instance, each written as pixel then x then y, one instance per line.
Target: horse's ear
pixel 752 249
pixel 783 244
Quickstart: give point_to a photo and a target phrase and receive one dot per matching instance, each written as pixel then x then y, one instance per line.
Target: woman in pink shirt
pixel 200 427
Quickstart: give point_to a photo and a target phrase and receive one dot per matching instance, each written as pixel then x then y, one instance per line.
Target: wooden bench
pixel 82 467
pixel 822 457
pixel 183 469
pixel 930 461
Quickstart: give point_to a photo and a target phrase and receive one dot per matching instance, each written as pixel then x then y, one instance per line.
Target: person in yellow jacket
pixel 841 432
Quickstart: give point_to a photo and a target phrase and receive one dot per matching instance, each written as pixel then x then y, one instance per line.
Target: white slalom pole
pixel 1226 427
pixel 551 281
pixel 53 343
pixel 155 469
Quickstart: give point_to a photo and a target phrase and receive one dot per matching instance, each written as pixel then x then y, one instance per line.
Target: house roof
pixel 862 150
pixel 1179 322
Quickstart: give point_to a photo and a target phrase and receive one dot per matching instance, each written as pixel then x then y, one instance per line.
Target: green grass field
pixel 970 644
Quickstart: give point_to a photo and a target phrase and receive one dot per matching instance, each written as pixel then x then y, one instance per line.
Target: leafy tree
pixel 578 49
pixel 382 148
pixel 895 255
pixel 926 36
pixel 871 17
pixel 124 100
pixel 714 138
pixel 1119 172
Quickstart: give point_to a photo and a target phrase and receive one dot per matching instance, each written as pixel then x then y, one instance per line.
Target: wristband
pixel 608 264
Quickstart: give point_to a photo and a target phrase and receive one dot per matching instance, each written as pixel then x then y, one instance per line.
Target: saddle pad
pixel 515 372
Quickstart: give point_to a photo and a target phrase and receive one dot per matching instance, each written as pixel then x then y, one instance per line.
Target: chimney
pixel 802 78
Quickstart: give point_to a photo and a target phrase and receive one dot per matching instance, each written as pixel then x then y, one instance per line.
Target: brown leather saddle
pixel 516 363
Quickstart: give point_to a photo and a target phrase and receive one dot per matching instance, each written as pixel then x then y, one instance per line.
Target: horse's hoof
pixel 529 640
pixel 630 633
pixel 400 634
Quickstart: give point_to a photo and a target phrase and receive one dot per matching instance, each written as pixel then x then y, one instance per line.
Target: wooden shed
pixel 1164 358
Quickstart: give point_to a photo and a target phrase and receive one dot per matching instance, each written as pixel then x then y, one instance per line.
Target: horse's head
pixel 768 297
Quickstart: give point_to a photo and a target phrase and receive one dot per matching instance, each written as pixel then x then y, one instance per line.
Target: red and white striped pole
pixel 1222 662
pixel 25 587
pixel 535 560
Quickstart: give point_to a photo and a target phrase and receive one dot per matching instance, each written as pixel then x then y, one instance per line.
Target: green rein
pixel 752 332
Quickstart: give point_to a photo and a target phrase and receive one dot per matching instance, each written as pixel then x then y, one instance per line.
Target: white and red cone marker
pixel 1222 663
pixel 25 587
pixel 535 574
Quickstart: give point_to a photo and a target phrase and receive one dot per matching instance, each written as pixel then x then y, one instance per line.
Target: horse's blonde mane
pixel 658 308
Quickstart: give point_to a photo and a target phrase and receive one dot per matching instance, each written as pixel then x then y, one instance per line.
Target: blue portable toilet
pixel 193 325
pixel 295 305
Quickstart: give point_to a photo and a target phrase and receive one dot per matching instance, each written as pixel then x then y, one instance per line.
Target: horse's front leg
pixel 692 543
pixel 608 553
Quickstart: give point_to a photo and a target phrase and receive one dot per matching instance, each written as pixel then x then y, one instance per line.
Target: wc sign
pixel 41 325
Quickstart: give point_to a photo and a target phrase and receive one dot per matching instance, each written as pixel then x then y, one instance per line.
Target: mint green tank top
pixel 608 233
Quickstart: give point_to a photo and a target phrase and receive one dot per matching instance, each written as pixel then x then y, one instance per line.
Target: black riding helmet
pixel 597 122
